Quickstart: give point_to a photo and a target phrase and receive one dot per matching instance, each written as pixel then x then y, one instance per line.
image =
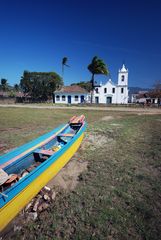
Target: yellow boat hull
pixel 12 208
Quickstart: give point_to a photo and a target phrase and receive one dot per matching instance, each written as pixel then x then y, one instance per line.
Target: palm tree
pixel 97 66
pixel 64 63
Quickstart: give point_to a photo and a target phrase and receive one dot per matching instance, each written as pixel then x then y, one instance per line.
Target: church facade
pixel 111 93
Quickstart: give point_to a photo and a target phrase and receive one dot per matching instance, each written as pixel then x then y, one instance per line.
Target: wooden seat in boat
pixel 66 135
pixel 44 152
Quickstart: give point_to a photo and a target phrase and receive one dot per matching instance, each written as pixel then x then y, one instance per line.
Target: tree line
pixel 36 85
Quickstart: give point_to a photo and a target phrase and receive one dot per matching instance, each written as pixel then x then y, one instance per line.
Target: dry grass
pixel 118 195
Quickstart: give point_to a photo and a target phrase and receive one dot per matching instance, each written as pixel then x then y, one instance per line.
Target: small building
pixel 144 97
pixel 111 93
pixel 71 95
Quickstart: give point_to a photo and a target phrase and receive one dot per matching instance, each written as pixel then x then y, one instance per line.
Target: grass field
pixel 119 195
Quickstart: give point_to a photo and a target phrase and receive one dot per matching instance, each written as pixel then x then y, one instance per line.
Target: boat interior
pixel 18 169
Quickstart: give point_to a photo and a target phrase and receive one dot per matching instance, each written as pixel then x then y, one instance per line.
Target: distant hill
pixel 133 90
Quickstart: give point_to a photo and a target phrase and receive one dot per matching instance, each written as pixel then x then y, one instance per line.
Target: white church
pixel 108 93
pixel 111 93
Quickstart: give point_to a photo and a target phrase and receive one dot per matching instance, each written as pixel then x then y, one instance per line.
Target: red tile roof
pixel 71 89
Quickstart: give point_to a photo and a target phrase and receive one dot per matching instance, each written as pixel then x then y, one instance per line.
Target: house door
pixel 108 100
pixel 82 99
pixel 96 100
pixel 69 99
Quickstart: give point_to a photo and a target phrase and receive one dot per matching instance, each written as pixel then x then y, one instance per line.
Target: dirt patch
pixel 96 140
pixel 107 118
pixel 10 129
pixel 68 177
pixel 148 113
pixel 116 124
pixel 98 108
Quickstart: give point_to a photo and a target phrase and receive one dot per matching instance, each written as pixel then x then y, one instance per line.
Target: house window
pixel 122 90
pixel 96 90
pixel 122 78
pixel 105 90
pixel 63 98
pixel 57 98
pixel 113 90
pixel 76 98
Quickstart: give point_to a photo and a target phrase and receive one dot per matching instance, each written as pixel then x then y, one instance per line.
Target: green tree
pixel 97 66
pixel 25 83
pixel 40 85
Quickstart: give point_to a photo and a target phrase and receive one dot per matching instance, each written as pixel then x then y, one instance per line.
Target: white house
pixel 71 95
pixel 113 93
pixel 144 97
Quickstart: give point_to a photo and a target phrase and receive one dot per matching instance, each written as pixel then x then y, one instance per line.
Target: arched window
pixel 76 98
pixel 63 98
pixel 57 98
pixel 122 78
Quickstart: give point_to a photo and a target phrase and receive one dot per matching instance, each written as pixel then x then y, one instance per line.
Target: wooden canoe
pixel 42 158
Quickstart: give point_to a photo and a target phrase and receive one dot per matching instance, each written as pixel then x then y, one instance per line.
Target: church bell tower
pixel 123 76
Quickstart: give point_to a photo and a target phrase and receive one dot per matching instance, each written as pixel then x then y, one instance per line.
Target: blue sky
pixel 37 34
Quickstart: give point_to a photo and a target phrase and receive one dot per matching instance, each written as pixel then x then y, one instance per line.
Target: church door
pixel 108 100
